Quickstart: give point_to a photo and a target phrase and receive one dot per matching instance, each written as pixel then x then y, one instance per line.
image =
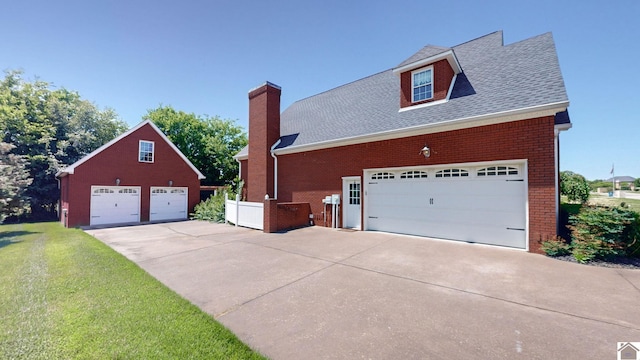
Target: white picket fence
pixel 244 213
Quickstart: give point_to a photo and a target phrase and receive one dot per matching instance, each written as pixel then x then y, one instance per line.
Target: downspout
pixel 556 133
pixel 275 170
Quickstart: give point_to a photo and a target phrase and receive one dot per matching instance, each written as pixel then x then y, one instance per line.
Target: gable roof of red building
pixel 71 168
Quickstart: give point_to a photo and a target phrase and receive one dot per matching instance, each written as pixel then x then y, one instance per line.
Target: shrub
pixel 601 232
pixel 556 247
pixel 574 186
pixel 211 209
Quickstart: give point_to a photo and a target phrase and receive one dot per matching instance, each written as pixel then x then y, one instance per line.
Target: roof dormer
pixel 427 77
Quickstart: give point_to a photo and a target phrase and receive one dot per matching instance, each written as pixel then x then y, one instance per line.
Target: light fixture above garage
pixel 425 151
pixel 117 181
pixel 170 183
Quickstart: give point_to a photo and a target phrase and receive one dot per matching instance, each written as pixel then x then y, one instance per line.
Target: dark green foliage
pixel 601 232
pixel 636 183
pixel 14 179
pixel 51 128
pixel 211 209
pixel 574 186
pixel 556 247
pixel 208 142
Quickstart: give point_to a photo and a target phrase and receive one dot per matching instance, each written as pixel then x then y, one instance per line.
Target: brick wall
pixel 442 77
pixel 293 215
pixel 310 176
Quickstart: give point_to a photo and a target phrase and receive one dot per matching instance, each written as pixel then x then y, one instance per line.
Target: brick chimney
pixel 264 131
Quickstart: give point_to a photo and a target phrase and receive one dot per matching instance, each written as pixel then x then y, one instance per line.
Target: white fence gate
pixel 244 213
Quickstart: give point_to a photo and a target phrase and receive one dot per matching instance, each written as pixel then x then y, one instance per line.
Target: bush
pixel 556 247
pixel 601 232
pixel 574 186
pixel 211 209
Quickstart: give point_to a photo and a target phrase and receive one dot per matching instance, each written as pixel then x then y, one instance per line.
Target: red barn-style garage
pixel 458 143
pixel 137 177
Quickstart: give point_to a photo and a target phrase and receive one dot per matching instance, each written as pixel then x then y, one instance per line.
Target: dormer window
pixel 145 151
pixel 422 84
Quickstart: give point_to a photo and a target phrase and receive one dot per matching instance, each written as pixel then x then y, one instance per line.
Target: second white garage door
pixel 483 204
pixel 168 203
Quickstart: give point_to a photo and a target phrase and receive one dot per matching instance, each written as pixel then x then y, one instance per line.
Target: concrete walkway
pixel 318 293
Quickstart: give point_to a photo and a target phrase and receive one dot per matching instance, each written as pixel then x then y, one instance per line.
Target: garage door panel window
pixel 414 175
pixel 383 176
pixel 498 171
pixel 452 173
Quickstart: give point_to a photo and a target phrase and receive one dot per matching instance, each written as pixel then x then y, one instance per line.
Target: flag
pixel 611 169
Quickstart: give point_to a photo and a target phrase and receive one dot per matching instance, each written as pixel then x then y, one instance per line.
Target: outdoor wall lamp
pixel 117 181
pixel 425 151
pixel 170 182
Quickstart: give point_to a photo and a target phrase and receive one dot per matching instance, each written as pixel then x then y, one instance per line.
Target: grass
pixel 633 204
pixel 66 295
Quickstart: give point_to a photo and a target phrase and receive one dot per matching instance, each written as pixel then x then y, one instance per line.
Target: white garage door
pixel 482 204
pixel 168 203
pixel 115 204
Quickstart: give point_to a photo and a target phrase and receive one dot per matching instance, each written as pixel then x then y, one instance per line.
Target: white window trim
pixel 153 151
pixel 428 68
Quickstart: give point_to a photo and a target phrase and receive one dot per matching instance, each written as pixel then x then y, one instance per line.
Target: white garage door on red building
pixel 484 203
pixel 115 205
pixel 168 203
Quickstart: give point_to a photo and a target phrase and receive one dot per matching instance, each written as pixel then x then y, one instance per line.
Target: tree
pixel 636 183
pixel 14 179
pixel 574 186
pixel 208 142
pixel 51 128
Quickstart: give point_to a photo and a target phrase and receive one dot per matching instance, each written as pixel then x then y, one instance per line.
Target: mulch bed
pixel 616 262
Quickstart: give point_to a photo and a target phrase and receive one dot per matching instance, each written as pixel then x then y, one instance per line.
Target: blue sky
pixel 204 56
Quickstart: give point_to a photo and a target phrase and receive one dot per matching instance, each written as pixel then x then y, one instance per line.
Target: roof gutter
pixel 275 170
pixel 456 124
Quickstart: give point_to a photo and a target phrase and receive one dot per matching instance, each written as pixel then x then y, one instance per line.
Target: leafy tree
pixel 574 186
pixel 14 179
pixel 51 128
pixel 636 183
pixel 208 142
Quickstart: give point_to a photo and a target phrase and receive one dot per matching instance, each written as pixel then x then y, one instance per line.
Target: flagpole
pixel 613 179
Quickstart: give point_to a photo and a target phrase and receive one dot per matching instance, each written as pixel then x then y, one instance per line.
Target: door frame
pixel 346 180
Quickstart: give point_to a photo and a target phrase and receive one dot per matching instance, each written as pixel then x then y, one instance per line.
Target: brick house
pixel 137 177
pixel 457 143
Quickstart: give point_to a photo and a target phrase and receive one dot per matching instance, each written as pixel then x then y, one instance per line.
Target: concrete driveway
pixel 318 293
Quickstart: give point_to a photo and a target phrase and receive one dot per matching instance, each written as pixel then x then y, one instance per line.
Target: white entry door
pixel 351 198
pixel 168 203
pixel 114 205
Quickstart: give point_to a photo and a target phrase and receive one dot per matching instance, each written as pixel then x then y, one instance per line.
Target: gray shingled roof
pixel 426 52
pixel 495 78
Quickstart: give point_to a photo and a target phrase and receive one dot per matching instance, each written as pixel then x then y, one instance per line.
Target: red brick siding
pixel 442 77
pixel 120 160
pixel 264 131
pixel 310 176
pixel 293 215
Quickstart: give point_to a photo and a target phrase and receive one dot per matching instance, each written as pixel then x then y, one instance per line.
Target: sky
pixel 203 57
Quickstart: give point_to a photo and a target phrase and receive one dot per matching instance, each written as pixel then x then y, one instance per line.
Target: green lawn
pixel 66 295
pixel 632 204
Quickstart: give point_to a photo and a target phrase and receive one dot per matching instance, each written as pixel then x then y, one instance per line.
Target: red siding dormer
pixel 439 70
